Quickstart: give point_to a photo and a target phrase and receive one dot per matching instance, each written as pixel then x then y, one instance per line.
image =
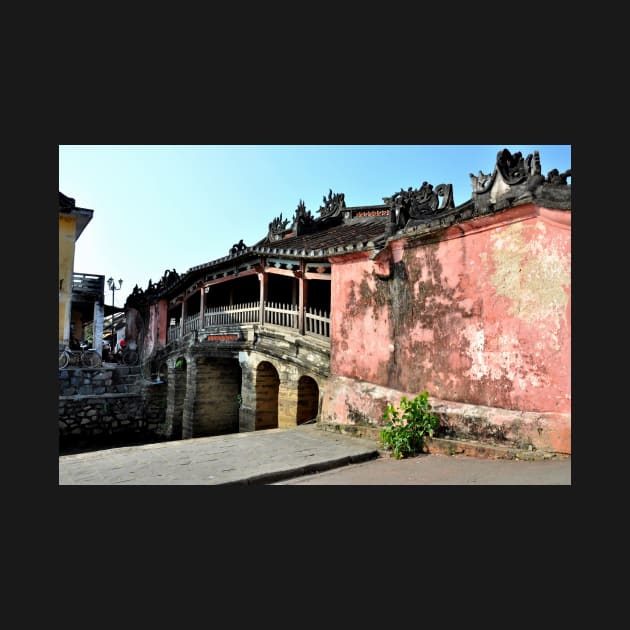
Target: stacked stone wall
pixel 101 407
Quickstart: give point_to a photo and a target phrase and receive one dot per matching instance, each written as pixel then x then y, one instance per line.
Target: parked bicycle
pixel 84 357
pixel 129 356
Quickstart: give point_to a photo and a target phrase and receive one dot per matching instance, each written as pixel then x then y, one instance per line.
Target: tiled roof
pixel 65 202
pixel 357 231
pixel 343 230
pixel 352 235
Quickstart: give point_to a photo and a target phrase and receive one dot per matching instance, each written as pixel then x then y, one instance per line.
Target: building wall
pixel 360 404
pixel 161 323
pixel 155 325
pixel 67 231
pixel 97 341
pixel 135 330
pixel 478 314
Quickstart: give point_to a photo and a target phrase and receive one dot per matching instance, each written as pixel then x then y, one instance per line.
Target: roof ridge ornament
pixel 515 169
pixel 303 219
pixel 414 205
pixel 237 247
pixel 516 180
pixel 66 202
pixel 482 183
pixel 332 205
pixel 555 177
pixel 277 227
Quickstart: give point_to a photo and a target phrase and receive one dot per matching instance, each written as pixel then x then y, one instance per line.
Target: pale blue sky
pixel 160 207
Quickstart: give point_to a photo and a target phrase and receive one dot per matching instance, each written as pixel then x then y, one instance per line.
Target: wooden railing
pixel 88 283
pixel 191 323
pixel 316 322
pixel 173 333
pixel 238 314
pixel 281 315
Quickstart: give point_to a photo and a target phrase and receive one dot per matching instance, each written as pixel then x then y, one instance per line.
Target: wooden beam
pixel 311 275
pixel 241 274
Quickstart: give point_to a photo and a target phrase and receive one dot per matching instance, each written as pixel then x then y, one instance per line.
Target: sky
pixel 159 207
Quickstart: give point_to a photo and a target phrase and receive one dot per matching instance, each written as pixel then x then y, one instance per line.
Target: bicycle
pixel 85 357
pixel 130 356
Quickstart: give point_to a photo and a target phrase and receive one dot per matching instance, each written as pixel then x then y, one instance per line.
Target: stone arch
pixel 267 388
pixel 177 383
pixel 162 373
pixel 307 400
pixel 211 406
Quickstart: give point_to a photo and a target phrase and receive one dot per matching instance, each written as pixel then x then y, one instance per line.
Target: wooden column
pixel 262 278
pixel 303 297
pixel 202 307
pixel 181 323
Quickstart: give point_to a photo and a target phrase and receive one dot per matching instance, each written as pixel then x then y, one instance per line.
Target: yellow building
pixel 80 295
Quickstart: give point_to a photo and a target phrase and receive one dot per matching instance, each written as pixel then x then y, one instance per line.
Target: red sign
pixel 222 338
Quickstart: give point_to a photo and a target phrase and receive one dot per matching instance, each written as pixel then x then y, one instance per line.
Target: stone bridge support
pixel 276 393
pixel 203 395
pixel 267 379
pixel 176 393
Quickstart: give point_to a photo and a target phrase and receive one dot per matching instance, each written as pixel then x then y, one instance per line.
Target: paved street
pixel 442 470
pixel 302 455
pixel 238 458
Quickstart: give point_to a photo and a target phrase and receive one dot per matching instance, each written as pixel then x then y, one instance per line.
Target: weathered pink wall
pixel 152 328
pixel 133 326
pixel 478 314
pixel 162 322
pixel 348 401
pixel 156 328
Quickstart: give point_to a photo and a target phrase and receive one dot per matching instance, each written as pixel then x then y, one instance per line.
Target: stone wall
pixel 101 407
pixel 267 386
pixel 97 381
pixel 279 392
pixel 212 397
pixel 177 377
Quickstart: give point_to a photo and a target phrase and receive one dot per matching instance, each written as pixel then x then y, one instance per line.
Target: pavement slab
pixel 304 455
pixel 240 458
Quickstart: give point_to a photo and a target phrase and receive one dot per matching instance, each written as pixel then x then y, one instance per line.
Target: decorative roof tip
pixel 277 227
pixel 65 201
pixel 514 180
pixel 410 206
pixel 303 220
pixel 517 179
pixel 332 205
pixel 237 248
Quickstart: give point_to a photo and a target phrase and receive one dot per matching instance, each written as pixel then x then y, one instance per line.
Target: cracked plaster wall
pixel 478 314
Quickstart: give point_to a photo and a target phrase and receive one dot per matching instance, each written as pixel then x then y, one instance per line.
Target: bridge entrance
pixel 308 400
pixel 267 386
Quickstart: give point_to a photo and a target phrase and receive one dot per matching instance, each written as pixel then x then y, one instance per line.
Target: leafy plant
pixel 406 426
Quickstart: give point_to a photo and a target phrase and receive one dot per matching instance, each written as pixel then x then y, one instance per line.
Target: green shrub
pixel 406 426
